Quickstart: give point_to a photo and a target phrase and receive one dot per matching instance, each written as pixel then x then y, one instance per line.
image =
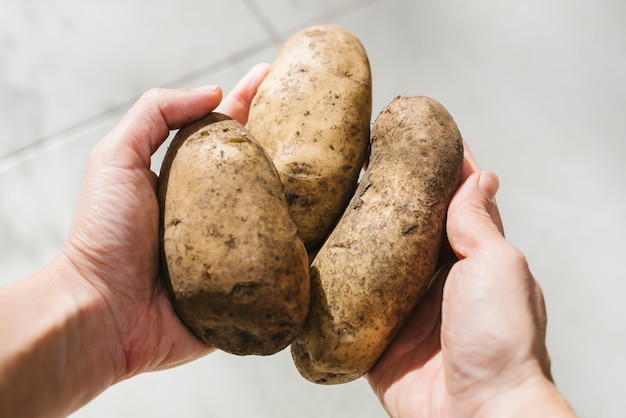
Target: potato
pixel 312 115
pixel 382 255
pixel 235 268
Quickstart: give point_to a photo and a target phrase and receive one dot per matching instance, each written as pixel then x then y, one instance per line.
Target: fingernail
pixel 488 184
pixel 206 89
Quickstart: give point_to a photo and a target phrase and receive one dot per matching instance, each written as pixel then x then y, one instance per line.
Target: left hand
pixel 114 239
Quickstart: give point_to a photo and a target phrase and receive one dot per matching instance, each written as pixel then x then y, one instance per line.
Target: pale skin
pixel 97 314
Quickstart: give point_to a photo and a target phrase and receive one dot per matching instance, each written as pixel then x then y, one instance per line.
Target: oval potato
pixel 235 268
pixel 312 115
pixel 382 255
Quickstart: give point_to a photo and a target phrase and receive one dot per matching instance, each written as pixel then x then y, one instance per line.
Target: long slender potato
pixel 382 255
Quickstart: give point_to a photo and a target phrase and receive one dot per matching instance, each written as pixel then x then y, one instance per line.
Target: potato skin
pixel 382 255
pixel 235 269
pixel 312 115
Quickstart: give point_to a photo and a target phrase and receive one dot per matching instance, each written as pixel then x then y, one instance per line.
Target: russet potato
pixel 236 270
pixel 382 254
pixel 312 115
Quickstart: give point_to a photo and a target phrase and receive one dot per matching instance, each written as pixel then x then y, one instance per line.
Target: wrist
pixel 93 326
pixel 537 396
pixel 58 354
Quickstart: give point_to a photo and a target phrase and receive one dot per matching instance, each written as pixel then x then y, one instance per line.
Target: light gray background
pixel 536 87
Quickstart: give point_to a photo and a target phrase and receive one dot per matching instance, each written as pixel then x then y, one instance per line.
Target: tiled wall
pixel 536 87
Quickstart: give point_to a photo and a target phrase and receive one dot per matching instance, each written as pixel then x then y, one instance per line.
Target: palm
pixel 115 235
pixel 119 236
pixel 454 354
pixel 409 377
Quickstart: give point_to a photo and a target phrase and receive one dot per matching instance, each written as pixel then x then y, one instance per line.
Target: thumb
pixel 473 217
pixel 149 121
pixel 237 103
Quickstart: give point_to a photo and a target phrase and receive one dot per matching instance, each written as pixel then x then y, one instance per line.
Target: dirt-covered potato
pixel 312 115
pixel 236 270
pixel 382 255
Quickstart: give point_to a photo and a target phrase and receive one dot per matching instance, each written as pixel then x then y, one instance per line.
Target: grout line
pixel 263 21
pixel 68 134
pixel 279 38
pixel 237 57
pixel 65 136
pixel 341 11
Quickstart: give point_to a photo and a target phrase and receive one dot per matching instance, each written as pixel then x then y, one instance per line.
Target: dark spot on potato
pixel 407 229
pixel 291 197
pixel 301 169
pixel 279 336
pixel 246 339
pixel 231 242
pixel 238 140
pixel 245 290
pixel 208 334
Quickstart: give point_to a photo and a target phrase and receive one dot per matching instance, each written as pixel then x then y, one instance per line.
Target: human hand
pixel 475 345
pixel 113 243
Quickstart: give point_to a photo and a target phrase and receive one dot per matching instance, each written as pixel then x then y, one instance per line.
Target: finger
pixel 237 103
pixel 425 316
pixel 416 341
pixel 470 165
pixel 470 223
pixel 541 319
pixel 495 215
pixel 148 123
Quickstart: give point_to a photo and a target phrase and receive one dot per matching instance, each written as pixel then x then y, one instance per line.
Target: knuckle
pixel 152 95
pixel 513 255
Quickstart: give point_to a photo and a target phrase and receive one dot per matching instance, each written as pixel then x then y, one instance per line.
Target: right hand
pixel 475 344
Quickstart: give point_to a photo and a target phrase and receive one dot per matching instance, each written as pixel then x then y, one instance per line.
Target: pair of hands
pixel 477 338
